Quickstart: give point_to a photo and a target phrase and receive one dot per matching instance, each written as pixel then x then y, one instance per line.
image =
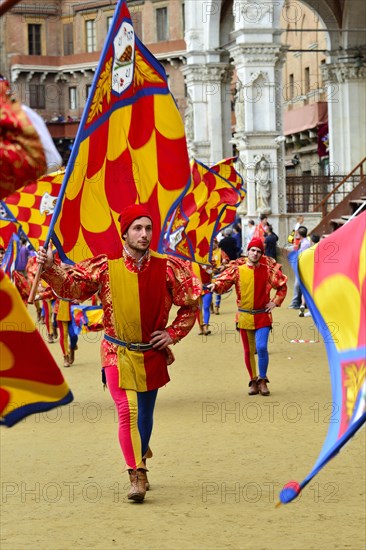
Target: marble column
pixel 346 91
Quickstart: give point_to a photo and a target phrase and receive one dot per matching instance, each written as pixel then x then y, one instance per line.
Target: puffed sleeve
pixel 80 282
pixel 185 290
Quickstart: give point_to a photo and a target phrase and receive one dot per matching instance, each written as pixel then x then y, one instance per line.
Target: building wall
pixel 58 72
pixel 302 85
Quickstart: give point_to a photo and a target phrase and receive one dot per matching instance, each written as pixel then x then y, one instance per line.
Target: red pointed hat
pixel 131 213
pixel 257 243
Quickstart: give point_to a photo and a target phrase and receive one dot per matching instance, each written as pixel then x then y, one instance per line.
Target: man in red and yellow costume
pixel 137 292
pixel 254 277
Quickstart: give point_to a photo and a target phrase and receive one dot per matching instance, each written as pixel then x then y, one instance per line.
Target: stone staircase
pixel 354 202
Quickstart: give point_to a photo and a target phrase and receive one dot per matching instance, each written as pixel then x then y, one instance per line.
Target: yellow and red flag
pixel 31 381
pixel 31 207
pixel 130 149
pixel 207 207
pixel 332 276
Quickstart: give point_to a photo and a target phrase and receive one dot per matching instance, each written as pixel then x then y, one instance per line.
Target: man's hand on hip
pixel 160 339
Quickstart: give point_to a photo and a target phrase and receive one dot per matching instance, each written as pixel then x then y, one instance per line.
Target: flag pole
pixel 35 284
pixel 37 278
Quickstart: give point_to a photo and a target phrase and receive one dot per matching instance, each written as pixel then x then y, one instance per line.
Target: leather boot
pixel 72 355
pixel 262 386
pixel 138 481
pixel 217 310
pixel 253 387
pixel 66 361
pixel 148 454
pixel 206 330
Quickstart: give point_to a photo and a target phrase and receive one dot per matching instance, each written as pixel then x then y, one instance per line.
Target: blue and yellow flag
pixel 30 382
pixel 207 207
pixel 87 318
pixel 130 149
pixel 332 278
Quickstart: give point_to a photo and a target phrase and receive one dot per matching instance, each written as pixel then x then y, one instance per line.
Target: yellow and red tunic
pixel 136 297
pixel 253 287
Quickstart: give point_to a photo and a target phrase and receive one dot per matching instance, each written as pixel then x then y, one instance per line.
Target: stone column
pixel 208 111
pixel 258 57
pixel 346 89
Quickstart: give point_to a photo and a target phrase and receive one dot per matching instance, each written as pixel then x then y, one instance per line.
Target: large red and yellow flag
pixel 31 207
pixel 208 206
pixel 31 381
pixel 332 276
pixel 130 148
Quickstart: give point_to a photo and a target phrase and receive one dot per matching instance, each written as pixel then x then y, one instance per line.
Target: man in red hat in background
pixel 137 292
pixel 254 277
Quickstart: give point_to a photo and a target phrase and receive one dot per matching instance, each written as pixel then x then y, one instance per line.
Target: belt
pixel 253 311
pixel 132 346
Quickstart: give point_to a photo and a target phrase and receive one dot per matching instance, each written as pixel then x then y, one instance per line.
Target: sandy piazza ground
pixel 220 456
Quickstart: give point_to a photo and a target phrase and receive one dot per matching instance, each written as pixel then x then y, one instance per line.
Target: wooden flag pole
pixel 35 284
pixel 7 5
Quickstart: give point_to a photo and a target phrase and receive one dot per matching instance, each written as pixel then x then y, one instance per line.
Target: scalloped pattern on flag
pixel 208 206
pixel 130 148
pixel 31 381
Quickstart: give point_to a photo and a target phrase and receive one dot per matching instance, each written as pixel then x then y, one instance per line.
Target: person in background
pixel 237 237
pixel 249 233
pixel 23 254
pixel 253 282
pixel 204 275
pixel 68 336
pixel 304 243
pixel 259 232
pixel 314 239
pixel 228 244
pixel 270 242
pixel 219 259
pixel 296 240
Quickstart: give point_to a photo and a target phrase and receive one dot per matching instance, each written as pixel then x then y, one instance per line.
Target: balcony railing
pixel 307 193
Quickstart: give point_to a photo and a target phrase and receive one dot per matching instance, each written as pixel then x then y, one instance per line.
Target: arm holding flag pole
pixel 43 254
pixel 35 284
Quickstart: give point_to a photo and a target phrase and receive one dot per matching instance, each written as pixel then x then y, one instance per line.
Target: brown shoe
pixel 50 339
pixel 253 387
pixel 138 479
pixel 217 310
pixel 148 454
pixel 72 355
pixel 66 361
pixel 262 386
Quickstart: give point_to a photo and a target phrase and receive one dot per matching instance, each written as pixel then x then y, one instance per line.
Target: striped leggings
pixel 66 330
pixel 135 418
pixel 256 340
